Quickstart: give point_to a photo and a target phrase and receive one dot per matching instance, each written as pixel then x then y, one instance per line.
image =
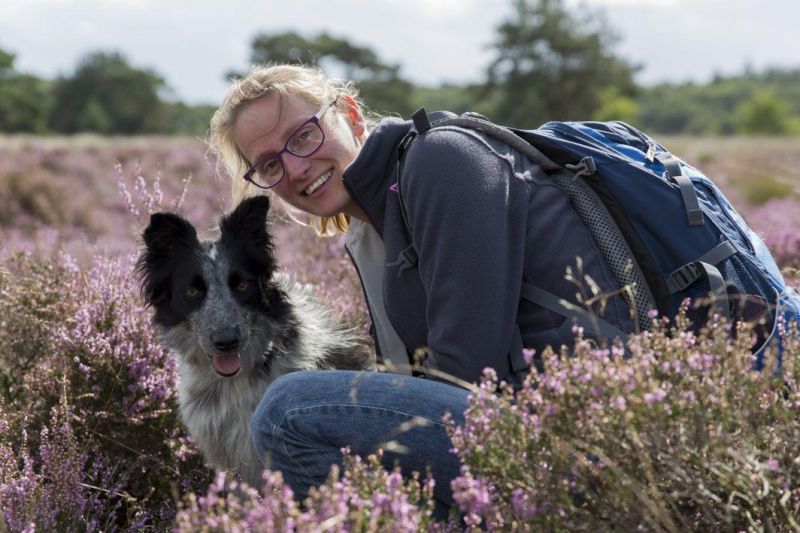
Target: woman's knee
pixel 277 399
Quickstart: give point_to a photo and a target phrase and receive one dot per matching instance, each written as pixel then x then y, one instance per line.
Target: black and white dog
pixel 234 324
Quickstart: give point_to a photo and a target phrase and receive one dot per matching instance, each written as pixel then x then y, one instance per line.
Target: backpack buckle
pixel 684 276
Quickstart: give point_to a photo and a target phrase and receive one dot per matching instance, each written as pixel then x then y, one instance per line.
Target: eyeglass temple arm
pixel 326 108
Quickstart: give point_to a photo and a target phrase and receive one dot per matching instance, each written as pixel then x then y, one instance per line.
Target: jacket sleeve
pixel 468 215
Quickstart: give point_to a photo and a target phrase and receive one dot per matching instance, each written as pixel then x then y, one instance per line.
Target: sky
pixel 192 44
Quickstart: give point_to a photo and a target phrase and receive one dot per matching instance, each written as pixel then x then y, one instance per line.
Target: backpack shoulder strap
pixel 474 121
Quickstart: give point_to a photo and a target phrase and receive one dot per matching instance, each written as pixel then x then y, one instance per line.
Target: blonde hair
pixel 308 82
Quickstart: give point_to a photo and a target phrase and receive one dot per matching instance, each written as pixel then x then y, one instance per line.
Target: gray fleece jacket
pixel 483 218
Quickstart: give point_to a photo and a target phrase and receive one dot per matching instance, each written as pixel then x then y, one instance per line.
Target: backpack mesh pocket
pixel 750 298
pixel 612 245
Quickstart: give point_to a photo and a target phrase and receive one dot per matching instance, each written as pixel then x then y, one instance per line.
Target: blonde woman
pixel 443 272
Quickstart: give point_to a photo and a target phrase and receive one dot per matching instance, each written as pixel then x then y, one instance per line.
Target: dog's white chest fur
pixel 217 414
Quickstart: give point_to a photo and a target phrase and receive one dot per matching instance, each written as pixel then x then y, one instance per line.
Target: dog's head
pixel 215 302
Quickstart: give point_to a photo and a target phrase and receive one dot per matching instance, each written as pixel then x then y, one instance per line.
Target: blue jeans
pixel 305 418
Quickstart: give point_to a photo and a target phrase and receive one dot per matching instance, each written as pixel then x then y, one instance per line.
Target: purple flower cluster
pixel 64 195
pixel 81 339
pixel 663 436
pixel 111 341
pixel 365 498
pixel 778 223
pixel 57 488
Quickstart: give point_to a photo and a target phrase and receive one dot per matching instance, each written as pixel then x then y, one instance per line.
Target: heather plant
pixel 365 498
pixel 324 264
pixel 56 487
pixel 678 433
pixel 778 222
pixel 61 194
pixel 82 338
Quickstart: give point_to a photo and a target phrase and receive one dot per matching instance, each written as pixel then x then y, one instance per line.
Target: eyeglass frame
pixel 248 176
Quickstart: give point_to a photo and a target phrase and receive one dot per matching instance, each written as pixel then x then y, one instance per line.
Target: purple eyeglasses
pixel 304 141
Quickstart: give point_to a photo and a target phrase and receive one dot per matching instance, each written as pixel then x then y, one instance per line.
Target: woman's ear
pixel 355 117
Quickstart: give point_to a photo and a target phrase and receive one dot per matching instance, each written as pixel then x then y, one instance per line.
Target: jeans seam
pixel 286 453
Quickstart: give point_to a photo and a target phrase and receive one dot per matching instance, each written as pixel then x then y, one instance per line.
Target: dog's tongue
pixel 228 364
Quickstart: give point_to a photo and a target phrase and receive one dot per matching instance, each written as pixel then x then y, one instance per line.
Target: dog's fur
pixel 222 298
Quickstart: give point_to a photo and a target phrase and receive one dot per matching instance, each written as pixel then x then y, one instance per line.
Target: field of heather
pixel 681 436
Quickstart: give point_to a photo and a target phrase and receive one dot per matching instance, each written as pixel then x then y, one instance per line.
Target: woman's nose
pixel 295 167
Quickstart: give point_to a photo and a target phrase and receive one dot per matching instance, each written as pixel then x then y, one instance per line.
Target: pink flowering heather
pixel 323 263
pixel 365 498
pixel 58 488
pixel 83 338
pixel 778 223
pixel 63 195
pixel 682 434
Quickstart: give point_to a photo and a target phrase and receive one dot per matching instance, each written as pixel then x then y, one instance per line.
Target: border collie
pixel 234 325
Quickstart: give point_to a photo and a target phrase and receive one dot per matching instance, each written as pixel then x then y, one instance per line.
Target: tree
pixel 107 95
pixel 380 83
pixel 764 113
pixel 551 64
pixel 614 106
pixel 24 99
pixel 750 102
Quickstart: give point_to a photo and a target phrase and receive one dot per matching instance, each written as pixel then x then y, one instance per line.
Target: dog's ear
pixel 247 224
pixel 167 232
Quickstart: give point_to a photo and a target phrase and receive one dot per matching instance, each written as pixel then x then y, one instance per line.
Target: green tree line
pixel 549 63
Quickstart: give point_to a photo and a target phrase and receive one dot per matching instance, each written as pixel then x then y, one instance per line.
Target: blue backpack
pixel 664 228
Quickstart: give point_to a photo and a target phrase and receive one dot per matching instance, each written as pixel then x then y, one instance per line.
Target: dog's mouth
pixel 227 364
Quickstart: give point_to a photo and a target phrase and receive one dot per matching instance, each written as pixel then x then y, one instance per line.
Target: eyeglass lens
pixel 302 143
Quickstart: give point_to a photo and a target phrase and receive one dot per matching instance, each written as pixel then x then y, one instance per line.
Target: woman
pixel 480 217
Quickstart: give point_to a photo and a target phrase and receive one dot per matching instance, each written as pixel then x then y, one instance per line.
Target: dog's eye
pixel 192 292
pixel 242 286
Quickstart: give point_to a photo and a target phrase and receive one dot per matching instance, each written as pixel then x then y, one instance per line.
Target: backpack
pixel 665 229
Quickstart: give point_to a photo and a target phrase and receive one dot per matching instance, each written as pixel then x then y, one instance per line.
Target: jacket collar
pixel 370 175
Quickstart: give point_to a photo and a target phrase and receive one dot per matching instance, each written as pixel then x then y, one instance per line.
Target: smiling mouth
pixel 319 182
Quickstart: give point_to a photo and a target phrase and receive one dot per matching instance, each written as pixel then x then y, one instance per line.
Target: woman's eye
pixel 270 167
pixel 300 140
pixel 192 292
pixel 242 286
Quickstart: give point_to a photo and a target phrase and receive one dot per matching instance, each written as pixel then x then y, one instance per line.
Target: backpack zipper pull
pixel 650 156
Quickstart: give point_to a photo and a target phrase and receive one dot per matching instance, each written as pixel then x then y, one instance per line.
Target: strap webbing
pixel 719 294
pixel 693 212
pixel 671 163
pixel 686 275
pixel 501 133
pixel 690 272
pixel 564 308
pixel 515 355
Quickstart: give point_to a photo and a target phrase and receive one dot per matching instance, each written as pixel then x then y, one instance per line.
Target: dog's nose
pixel 226 339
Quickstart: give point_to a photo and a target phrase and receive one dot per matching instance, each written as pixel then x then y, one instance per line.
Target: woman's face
pixel 314 183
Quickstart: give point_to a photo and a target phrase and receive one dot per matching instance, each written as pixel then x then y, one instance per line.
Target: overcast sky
pixel 193 43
